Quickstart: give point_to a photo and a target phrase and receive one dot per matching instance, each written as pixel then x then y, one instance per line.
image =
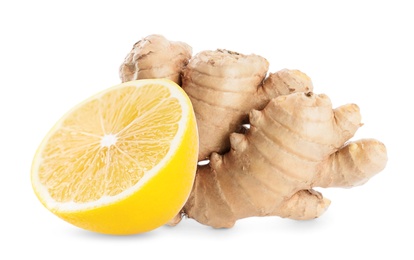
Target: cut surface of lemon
pixel 121 162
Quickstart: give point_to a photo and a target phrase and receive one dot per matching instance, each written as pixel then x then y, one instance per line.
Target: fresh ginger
pixel 294 144
pixel 295 141
pixel 224 86
pixel 155 57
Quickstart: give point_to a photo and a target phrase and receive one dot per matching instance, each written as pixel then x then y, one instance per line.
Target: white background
pixel 54 54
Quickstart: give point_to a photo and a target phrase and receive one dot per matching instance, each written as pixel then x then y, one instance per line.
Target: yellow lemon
pixel 121 162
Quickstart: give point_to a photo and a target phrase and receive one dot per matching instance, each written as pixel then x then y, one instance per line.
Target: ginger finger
pixel 353 165
pixel 155 57
pixel 283 82
pixel 348 120
pixel 303 205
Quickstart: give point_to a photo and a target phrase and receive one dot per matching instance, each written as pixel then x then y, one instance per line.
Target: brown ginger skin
pixel 224 86
pixel 155 57
pixel 294 144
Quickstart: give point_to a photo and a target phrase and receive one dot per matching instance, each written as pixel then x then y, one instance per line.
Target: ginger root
pixel 224 86
pixel 155 57
pixel 294 144
pixel 295 140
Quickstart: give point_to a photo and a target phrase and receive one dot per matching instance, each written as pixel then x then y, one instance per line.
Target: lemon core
pixel 108 140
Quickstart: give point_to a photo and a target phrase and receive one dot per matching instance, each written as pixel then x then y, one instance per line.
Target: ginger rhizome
pixel 294 144
pixel 295 140
pixel 225 86
pixel 155 57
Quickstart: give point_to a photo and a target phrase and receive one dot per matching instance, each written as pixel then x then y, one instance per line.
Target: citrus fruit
pixel 122 161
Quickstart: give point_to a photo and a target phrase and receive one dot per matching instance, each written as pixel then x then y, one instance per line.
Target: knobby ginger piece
pixel 224 86
pixel 155 57
pixel 295 143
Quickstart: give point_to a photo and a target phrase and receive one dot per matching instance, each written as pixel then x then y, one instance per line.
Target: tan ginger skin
pixel 295 142
pixel 155 57
pixel 225 86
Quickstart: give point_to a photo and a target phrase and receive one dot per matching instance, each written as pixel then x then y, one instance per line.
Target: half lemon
pixel 121 162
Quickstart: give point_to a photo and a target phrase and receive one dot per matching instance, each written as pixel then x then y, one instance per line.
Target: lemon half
pixel 121 162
